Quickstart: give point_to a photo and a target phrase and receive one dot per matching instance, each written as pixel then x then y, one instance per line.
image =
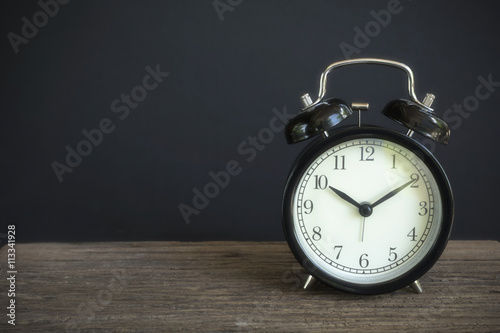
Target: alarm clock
pixel 366 209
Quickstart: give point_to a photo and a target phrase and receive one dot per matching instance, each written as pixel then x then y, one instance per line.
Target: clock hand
pixel 345 197
pixel 363 229
pixel 391 194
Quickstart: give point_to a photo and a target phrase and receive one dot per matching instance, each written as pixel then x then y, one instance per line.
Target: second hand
pixel 363 229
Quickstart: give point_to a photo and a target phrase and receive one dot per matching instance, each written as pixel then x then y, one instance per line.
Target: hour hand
pixel 345 197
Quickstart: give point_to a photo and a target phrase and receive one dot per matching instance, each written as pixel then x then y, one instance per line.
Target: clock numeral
pixel 392 255
pixel 393 161
pixel 308 207
pixel 321 182
pixel 412 235
pixel 415 177
pixel 338 247
pixel 423 208
pixel 369 151
pixel 342 162
pixel 316 233
pixel 363 261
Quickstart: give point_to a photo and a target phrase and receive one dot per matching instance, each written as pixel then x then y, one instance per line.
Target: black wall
pixel 232 67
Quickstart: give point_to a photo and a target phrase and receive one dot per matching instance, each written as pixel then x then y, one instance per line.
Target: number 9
pixel 308 206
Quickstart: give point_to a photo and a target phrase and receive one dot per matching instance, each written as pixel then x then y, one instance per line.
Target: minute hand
pixel 391 194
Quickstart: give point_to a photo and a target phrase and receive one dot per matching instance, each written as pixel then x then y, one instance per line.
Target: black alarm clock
pixel 367 209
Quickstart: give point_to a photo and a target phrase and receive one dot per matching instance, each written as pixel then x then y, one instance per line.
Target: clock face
pixel 368 210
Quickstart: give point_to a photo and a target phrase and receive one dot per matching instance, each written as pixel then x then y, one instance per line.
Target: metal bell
pixel 317 119
pixel 417 119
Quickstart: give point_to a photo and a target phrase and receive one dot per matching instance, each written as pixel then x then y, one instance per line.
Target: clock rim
pixel 320 145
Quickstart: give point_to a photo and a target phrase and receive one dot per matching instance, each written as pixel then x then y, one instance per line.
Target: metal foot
pixel 309 282
pixel 416 287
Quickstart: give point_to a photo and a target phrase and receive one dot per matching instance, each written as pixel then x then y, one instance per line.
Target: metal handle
pixel 375 61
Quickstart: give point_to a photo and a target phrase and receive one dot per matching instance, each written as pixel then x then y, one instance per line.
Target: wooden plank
pixel 234 286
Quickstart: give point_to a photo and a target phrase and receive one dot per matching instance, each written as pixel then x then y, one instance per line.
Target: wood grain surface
pixel 234 287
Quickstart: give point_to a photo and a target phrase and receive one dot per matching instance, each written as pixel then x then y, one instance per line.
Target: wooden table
pixel 231 287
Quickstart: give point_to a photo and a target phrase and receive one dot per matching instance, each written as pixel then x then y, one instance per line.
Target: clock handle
pixel 322 83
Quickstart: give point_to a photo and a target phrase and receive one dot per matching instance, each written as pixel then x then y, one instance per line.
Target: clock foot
pixel 416 287
pixel 309 282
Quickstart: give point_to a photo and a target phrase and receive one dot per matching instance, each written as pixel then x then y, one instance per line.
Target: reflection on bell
pixel 414 117
pixel 316 120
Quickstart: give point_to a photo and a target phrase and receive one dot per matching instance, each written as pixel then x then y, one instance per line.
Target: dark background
pixel 225 78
